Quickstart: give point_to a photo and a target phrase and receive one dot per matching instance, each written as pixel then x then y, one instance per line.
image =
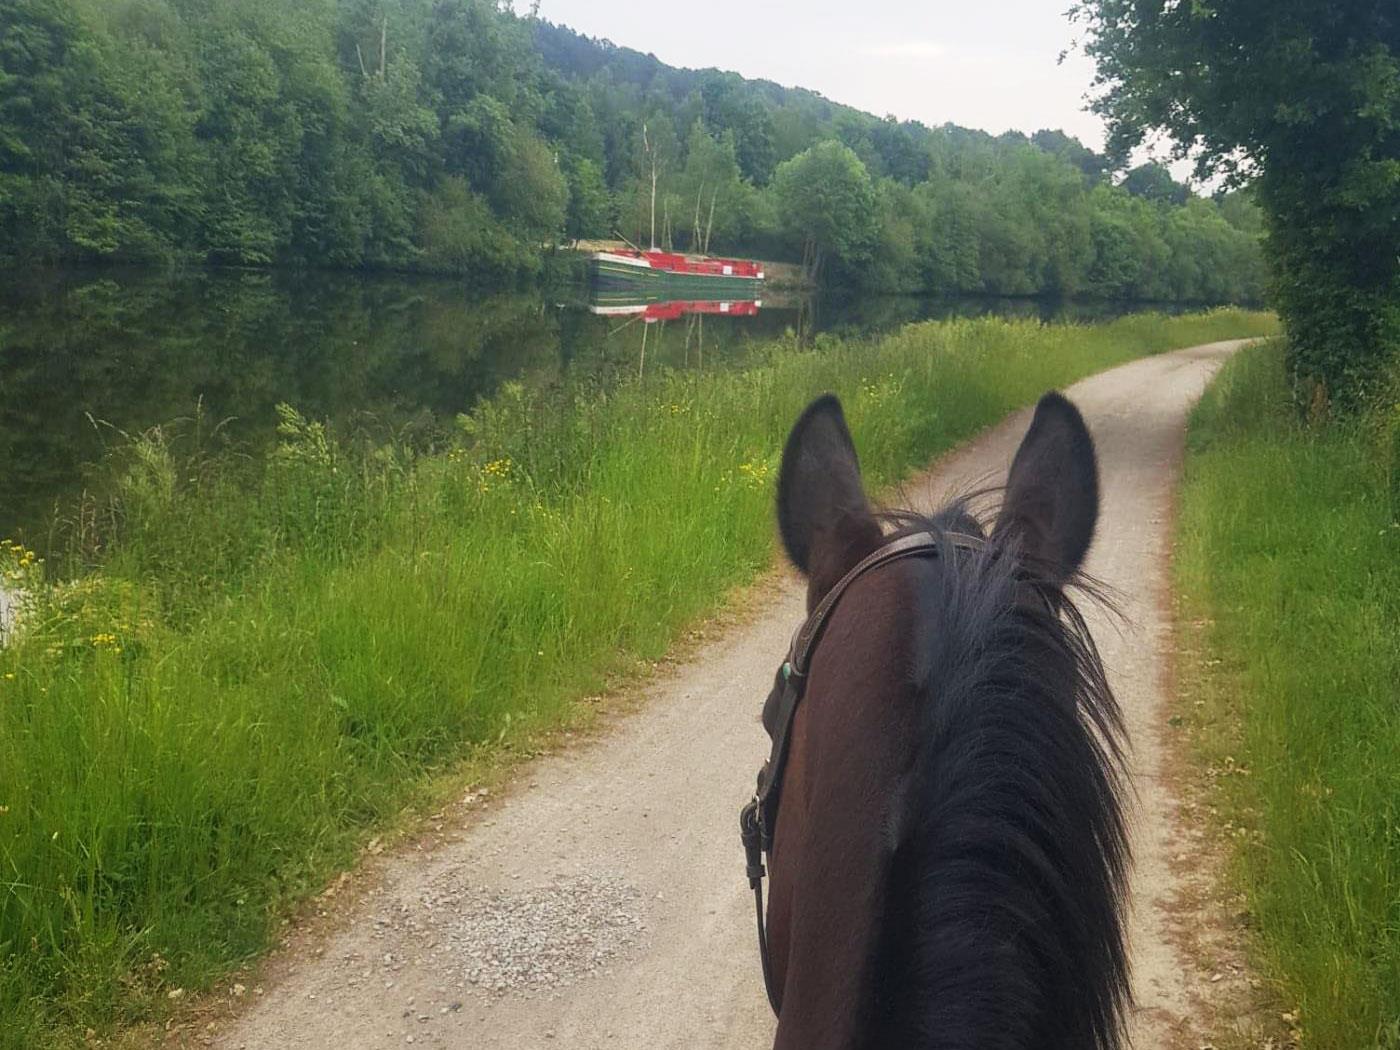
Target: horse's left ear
pixel 1052 493
pixel 823 515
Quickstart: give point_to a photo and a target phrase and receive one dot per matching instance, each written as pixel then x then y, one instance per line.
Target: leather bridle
pixel 759 817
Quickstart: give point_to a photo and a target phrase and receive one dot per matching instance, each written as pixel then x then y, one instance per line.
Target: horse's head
pixel 949 857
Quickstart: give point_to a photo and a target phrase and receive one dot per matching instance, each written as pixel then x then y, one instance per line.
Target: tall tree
pixel 1153 182
pixel 1303 97
pixel 827 201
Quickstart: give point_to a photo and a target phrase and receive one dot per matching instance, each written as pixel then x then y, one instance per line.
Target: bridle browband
pixel 759 817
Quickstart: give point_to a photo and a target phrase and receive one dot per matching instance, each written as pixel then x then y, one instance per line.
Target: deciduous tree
pixel 827 203
pixel 1301 97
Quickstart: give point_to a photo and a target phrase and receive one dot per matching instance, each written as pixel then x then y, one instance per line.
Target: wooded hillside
pixel 454 135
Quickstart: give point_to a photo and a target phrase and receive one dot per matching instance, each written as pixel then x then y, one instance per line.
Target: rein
pixel 759 817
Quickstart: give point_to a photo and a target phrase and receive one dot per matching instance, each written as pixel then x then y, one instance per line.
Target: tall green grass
pixel 250 665
pixel 1289 550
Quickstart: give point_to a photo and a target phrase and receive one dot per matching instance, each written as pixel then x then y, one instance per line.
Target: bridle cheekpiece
pixel 759 818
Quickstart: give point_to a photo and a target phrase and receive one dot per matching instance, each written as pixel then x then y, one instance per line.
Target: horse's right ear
pixel 823 515
pixel 1052 493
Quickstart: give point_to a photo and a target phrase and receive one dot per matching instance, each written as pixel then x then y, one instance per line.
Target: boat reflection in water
pixel 637 306
pixel 676 309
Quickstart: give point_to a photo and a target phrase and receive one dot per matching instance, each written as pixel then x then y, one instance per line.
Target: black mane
pixel 1010 845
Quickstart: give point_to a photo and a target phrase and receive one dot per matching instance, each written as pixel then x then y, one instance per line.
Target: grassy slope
pixel 204 726
pixel 1289 554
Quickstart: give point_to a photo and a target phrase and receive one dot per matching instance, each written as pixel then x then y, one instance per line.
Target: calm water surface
pixel 85 356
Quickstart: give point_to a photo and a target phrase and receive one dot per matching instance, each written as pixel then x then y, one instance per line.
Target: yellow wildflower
pixel 756 473
pixel 502 469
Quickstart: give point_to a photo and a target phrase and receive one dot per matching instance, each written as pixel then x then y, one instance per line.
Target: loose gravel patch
pixel 537 938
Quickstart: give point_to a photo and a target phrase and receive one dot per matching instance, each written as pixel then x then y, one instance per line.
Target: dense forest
pixel 458 136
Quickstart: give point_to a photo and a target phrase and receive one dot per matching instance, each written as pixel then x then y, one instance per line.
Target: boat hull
pixel 612 270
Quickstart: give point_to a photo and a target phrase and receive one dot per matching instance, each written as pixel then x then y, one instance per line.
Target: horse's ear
pixel 823 515
pixel 1052 493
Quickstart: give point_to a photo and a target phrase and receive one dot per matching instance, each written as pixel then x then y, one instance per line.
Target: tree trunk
pixel 710 224
pixel 653 204
pixel 698 242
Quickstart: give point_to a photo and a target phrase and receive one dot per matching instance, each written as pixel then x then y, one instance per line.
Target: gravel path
pixel 602 902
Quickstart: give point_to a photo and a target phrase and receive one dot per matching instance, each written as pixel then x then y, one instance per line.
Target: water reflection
pixel 675 309
pixel 635 307
pixel 84 355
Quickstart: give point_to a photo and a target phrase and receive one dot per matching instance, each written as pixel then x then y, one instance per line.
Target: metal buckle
pixel 751 835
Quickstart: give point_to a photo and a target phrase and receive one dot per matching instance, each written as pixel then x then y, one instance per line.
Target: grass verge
pixel 1288 565
pixel 247 666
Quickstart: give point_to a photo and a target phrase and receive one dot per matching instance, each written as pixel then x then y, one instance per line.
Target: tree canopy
pixel 826 200
pixel 1302 98
pixel 455 135
pixel 1155 183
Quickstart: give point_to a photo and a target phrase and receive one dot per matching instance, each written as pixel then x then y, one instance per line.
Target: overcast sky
pixel 990 64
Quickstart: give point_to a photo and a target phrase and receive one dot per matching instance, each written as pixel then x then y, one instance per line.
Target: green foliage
pixel 1005 215
pixel 1301 98
pixel 455 135
pixel 1153 182
pixel 1091 165
pixel 531 194
pixel 1289 566
pixel 460 233
pixel 1392 440
pixel 727 105
pixel 709 193
pixel 267 660
pixel 826 202
pixel 253 134
pixel 590 207
pixel 1337 285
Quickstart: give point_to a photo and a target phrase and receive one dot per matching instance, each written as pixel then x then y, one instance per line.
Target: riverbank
pixel 91 354
pixel 1288 571
pixel 262 662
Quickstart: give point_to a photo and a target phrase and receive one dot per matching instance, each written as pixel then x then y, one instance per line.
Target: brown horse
pixel 948 868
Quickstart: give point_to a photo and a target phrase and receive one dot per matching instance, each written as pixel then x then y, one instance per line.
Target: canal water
pixel 86 356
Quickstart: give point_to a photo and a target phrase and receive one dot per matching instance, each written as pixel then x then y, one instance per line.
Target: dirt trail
pixel 629 843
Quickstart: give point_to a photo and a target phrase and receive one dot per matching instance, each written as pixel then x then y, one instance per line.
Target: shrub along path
pixel 601 901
